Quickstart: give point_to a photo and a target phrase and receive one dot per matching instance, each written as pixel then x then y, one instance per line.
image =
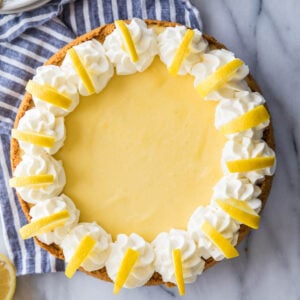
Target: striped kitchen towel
pixel 27 40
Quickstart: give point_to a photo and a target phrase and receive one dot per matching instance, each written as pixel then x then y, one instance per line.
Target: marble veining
pixel 265 34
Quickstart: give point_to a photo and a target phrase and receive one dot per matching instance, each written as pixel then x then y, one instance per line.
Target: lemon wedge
pixel 8 278
pixel 44 225
pixel 240 211
pixel 31 181
pixel 250 164
pixel 177 261
pixel 127 38
pixel 249 120
pixel 216 80
pixel 219 240
pixel 181 52
pixel 33 138
pixel 130 258
pixel 48 94
pixel 83 250
pixel 81 70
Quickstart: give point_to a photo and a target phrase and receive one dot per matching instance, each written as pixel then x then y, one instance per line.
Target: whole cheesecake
pixel 168 153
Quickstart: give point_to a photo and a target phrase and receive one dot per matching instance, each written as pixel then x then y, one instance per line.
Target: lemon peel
pixel 8 278
pixel 177 261
pixel 32 181
pixel 33 138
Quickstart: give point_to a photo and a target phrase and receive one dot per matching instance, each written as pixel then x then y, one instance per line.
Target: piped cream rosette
pixel 212 231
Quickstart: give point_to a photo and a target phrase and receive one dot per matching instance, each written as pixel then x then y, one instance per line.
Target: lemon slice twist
pixel 181 52
pixel 128 41
pixel 31 181
pixel 177 261
pixel 129 260
pixel 8 278
pixel 33 138
pixel 216 80
pixel 81 253
pixel 44 225
pixel 240 211
pixel 219 240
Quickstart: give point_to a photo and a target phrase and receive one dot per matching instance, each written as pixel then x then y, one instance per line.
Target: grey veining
pixel 266 35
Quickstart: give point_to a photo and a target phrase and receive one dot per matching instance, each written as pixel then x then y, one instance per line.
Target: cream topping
pixel 144 39
pixel 143 268
pixel 165 243
pixel 93 58
pixel 43 122
pixel 96 259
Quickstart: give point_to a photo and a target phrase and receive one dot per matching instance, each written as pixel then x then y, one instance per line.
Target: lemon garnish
pixel 181 52
pixel 21 181
pixel 250 164
pixel 177 261
pixel 48 94
pixel 240 211
pixel 216 80
pixel 249 120
pixel 81 70
pixel 81 253
pixel 33 138
pixel 8 278
pixel 219 240
pixel 130 258
pixel 44 225
pixel 127 38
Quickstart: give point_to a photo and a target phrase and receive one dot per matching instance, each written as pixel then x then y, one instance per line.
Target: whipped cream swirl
pixel 36 165
pixel 43 122
pixel 165 243
pixel 220 221
pixel 99 68
pixel 169 41
pixel 56 78
pixel 49 207
pixel 144 39
pixel 143 268
pixel 99 253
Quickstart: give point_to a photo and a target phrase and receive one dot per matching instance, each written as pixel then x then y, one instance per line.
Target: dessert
pixel 167 153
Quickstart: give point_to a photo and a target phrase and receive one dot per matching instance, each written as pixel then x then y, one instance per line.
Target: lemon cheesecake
pixel 142 153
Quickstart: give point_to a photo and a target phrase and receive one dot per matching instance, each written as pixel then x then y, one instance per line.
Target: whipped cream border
pixel 230 185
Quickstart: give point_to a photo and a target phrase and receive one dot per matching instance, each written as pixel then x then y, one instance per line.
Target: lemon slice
pixel 8 278
pixel 33 138
pixel 127 38
pixel 48 94
pixel 240 211
pixel 130 258
pixel 81 70
pixel 81 253
pixel 177 261
pixel 44 225
pixel 31 181
pixel 181 52
pixel 250 164
pixel 249 120
pixel 219 240
pixel 216 80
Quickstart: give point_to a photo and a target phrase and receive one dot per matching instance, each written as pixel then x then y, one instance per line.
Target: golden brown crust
pixel 100 34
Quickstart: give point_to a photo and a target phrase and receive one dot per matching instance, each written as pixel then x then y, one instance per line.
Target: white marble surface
pixel 266 35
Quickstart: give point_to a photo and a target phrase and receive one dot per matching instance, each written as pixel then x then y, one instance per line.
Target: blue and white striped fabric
pixel 27 40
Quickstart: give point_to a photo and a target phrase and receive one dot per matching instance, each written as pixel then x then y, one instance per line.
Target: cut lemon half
pixel 44 225
pixel 181 52
pixel 31 181
pixel 7 278
pixel 33 138
pixel 249 120
pixel 240 211
pixel 81 253
pixel 129 260
pixel 81 71
pixel 250 164
pixel 219 240
pixel 216 80
pixel 48 94
pixel 128 41
pixel 177 261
